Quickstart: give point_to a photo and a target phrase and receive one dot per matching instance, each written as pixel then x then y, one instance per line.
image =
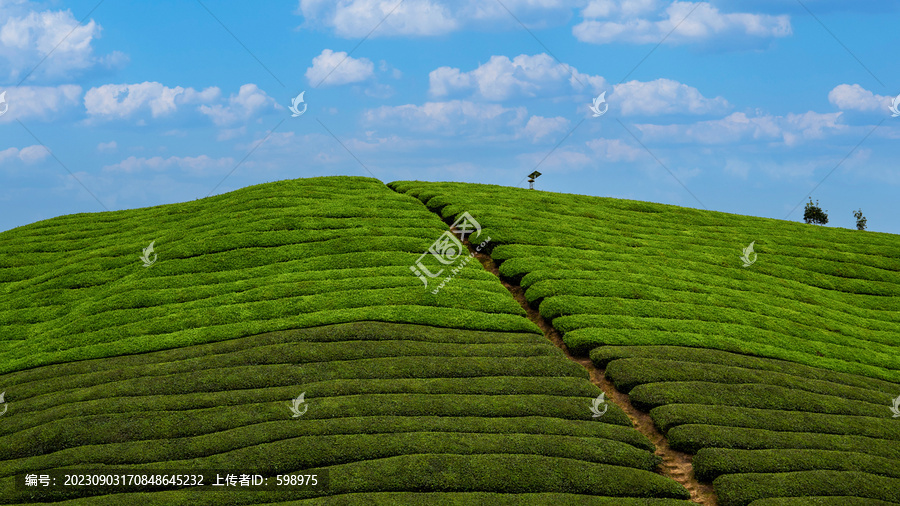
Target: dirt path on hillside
pixel 675 465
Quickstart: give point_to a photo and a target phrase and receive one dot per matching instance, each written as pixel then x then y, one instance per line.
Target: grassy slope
pixel 284 255
pixel 660 297
pixel 391 408
pixel 619 272
pixel 764 428
pixel 397 412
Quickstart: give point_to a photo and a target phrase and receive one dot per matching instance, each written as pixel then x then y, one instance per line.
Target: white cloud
pixel 29 154
pixel 446 80
pixel 338 68
pixel 604 21
pixel 8 153
pixel 231 133
pixel 856 98
pixel 385 67
pixel 43 102
pixel 621 8
pixel 391 143
pixel 462 118
pixel 737 167
pixel 249 101
pixel 664 96
pixel 276 139
pixel 614 150
pixel 421 18
pixel 523 76
pixel 805 167
pixel 107 146
pixel 541 76
pixel 628 21
pixel 539 127
pixel 33 154
pixel 357 18
pixel 561 161
pixel 192 165
pixel 27 37
pixel 118 101
pixel 456 116
pixel 380 91
pixel 124 101
pixel 738 127
pixel 809 125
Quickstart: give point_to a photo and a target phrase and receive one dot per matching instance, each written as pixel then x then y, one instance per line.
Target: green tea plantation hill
pixel 778 370
pixel 351 342
pixel 279 335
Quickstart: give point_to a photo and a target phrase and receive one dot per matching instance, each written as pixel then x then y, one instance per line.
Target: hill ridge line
pixel 676 465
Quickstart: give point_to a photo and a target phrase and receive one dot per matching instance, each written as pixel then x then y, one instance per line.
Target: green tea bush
pixel 627 373
pixel 835 500
pixel 709 463
pixel 601 356
pixel 750 395
pixel 671 415
pixel 743 489
pixel 691 438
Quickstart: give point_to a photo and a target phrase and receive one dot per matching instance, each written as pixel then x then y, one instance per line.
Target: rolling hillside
pixel 292 294
pixel 270 257
pixel 779 375
pixel 776 378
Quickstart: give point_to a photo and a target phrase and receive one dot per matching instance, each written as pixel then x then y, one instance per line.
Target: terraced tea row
pixel 620 279
pixel 763 428
pixel 618 272
pixel 391 413
pixel 278 256
pixel 478 405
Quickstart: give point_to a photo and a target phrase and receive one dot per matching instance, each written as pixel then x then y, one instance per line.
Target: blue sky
pixel 740 106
